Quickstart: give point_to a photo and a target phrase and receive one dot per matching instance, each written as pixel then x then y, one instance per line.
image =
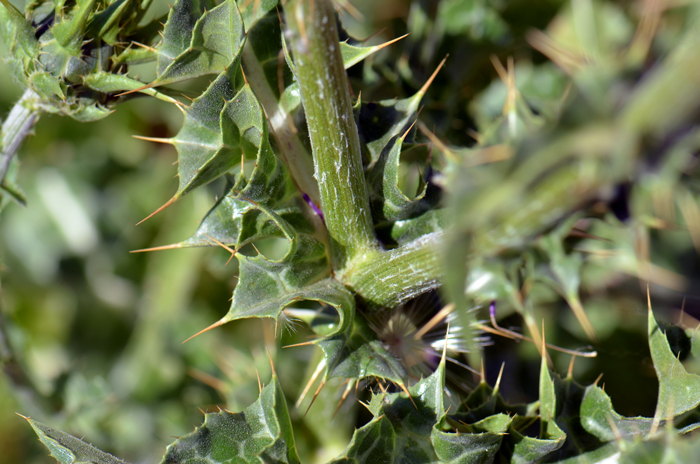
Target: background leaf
pixel 262 432
pixel 70 450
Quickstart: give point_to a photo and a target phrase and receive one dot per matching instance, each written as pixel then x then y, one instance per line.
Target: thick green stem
pixel 390 278
pixel 334 139
pixel 15 128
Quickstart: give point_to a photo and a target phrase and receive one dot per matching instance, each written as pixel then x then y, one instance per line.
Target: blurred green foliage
pixel 99 330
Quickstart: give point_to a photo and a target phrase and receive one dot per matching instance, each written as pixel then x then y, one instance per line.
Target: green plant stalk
pixel 390 278
pixel 16 127
pixel 334 139
pixel 293 151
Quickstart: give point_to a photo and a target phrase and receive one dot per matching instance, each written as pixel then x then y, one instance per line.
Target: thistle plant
pixel 397 275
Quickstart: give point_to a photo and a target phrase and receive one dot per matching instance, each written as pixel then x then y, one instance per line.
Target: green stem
pixel 15 128
pixel 293 151
pixel 390 278
pixel 334 139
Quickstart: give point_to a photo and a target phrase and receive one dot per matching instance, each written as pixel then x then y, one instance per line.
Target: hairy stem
pixel 390 278
pixel 15 128
pixel 293 151
pixel 334 139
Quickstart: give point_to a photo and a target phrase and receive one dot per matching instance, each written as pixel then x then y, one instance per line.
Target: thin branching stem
pixel 16 128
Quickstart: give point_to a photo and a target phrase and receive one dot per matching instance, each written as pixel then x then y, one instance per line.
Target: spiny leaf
pixel 254 10
pixel 255 208
pixel 679 390
pixel 353 54
pixel 529 449
pixel 407 230
pixel 70 450
pixel 265 287
pixel 205 151
pixel 178 30
pixel 70 31
pixel 600 419
pixel 105 24
pixel 113 83
pixel 380 122
pixel 485 402
pixel 17 31
pixel 402 426
pixel 387 200
pixel 560 410
pixel 478 446
pixel 236 220
pixel 47 85
pixel 215 44
pixel 261 433
pixel 353 350
pixel 548 404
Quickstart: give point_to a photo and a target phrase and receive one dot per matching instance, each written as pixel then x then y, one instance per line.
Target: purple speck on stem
pixel 492 309
pixel 316 209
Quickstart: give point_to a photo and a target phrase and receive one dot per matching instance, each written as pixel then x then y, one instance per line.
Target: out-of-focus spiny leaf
pixel 679 390
pixel 566 269
pixel 67 449
pixel 69 31
pixel 105 24
pixel 261 433
pixel 478 19
pixel 668 447
pixel 17 31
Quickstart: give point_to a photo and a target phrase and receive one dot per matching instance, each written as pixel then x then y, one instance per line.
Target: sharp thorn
pixel 318 370
pixel 348 387
pixel 145 87
pixel 500 376
pixel 318 390
pixel 386 44
pixel 300 344
pixel 598 379
pixel 158 248
pixel 216 324
pixel 405 390
pixel 227 248
pixel 272 365
pixel 403 137
pixel 433 76
pixel 167 203
pixel 154 139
